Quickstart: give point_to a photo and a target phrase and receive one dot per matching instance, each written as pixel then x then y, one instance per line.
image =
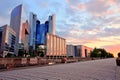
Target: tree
pixel 95 53
pixel 119 54
pixel 40 51
pixel 102 53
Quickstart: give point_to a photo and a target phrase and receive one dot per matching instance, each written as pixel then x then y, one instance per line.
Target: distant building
pixel 70 51
pixel 78 51
pixel 7 40
pixel 82 51
pixel 19 24
pixel 56 46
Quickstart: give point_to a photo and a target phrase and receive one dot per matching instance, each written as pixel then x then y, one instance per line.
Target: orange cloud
pixel 111 1
pixel 110 12
pixel 113 49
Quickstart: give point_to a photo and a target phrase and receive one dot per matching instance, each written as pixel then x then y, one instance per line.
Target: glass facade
pixel 32 23
pixel 41 31
pixel 15 24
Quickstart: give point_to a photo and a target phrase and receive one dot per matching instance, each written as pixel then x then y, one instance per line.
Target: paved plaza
pixel 104 69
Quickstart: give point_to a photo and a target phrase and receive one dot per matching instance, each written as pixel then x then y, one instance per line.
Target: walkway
pixel 104 69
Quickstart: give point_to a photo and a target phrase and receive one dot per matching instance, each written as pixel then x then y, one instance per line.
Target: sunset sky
pixel 94 23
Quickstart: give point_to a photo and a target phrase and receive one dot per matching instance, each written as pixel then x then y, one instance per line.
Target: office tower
pixel 18 18
pixel 24 37
pixel 33 20
pixel 41 32
pixel 52 25
pixel 7 40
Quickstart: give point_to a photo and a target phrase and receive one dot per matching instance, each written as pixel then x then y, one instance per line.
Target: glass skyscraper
pixel 32 21
pixel 15 24
pixel 18 19
pixel 41 31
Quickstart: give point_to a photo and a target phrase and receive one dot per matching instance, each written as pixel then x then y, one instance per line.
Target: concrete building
pixel 52 25
pixel 7 40
pixel 17 22
pixel 78 51
pixel 24 37
pixel 56 46
pixel 70 51
pixel 82 51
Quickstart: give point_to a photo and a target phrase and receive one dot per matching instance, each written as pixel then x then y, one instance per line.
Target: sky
pixel 93 23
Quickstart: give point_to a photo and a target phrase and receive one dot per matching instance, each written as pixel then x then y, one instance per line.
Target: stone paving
pixel 104 69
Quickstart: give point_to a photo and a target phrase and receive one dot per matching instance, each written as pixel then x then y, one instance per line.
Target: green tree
pixel 102 53
pixel 40 51
pixel 95 53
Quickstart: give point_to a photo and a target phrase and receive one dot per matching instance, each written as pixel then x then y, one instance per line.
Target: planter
pixel 32 61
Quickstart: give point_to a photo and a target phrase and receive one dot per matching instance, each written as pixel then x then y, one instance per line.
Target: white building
pixel 52 25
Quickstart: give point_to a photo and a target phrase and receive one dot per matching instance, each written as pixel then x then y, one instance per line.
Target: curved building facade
pixel 19 24
pixel 15 24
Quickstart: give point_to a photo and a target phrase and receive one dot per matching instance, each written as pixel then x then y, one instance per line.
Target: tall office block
pixel 32 21
pixel 18 17
pixel 52 21
pixel 24 37
pixel 41 32
pixel 7 40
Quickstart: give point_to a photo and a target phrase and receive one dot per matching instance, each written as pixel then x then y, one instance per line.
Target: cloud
pixel 113 49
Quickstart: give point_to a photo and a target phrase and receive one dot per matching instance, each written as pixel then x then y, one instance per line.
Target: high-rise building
pixel 18 18
pixel 32 21
pixel 24 37
pixel 52 25
pixel 7 40
pixel 41 33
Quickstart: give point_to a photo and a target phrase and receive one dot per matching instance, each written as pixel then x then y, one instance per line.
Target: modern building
pixel 24 37
pixel 55 47
pixel 7 40
pixel 19 23
pixel 41 33
pixel 32 21
pixel 52 21
pixel 38 31
pixel 70 51
pixel 78 51
pixel 82 51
